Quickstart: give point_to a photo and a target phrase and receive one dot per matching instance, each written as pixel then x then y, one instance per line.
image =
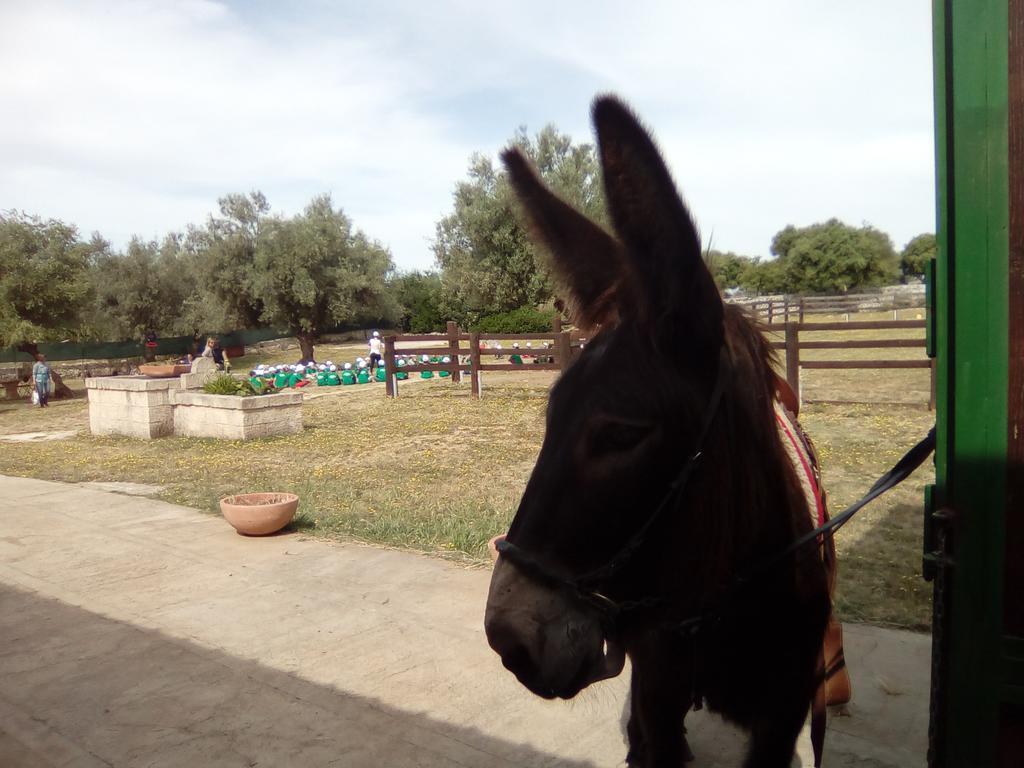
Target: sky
pixel 133 118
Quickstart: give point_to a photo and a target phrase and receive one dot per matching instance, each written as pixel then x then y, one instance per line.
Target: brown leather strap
pixel 819 714
pixel 838 689
pixel 787 396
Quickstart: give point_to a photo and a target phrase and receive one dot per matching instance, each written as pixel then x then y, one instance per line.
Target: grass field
pixel 440 472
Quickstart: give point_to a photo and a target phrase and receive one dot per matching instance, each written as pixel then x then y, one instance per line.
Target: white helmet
pixel 529 345
pixel 425 358
pixel 376 335
pixel 348 366
pixel 446 359
pixel 333 367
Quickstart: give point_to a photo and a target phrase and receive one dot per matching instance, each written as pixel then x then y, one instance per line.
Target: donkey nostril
pixel 507 643
pixel 516 657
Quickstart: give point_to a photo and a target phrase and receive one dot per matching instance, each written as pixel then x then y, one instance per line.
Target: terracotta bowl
pixel 259 514
pixel 157 371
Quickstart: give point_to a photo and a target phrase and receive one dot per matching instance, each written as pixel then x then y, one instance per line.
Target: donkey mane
pixel 746 472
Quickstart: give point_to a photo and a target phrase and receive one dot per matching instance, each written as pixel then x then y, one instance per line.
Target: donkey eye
pixel 617 437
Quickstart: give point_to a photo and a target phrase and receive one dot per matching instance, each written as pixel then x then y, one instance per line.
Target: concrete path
pixel 138 633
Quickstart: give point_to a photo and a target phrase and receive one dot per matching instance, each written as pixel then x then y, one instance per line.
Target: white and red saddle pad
pixel 799 454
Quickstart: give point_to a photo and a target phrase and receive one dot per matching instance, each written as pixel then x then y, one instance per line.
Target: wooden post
pixel 563 347
pixel 474 363
pixel 453 350
pixel 556 323
pixel 801 309
pixel 391 382
pixel 793 359
pixel 785 309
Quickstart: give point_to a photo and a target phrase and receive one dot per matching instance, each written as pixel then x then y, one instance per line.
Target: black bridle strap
pixel 538 570
pixel 604 572
pixel 903 469
pixel 586 586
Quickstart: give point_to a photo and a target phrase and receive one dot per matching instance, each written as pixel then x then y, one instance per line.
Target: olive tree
pixel 488 264
pixel 314 271
pixel 43 279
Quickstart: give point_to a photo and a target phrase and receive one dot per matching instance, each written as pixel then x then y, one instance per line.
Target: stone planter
pixel 259 514
pixel 231 417
pixel 131 405
pixel 138 406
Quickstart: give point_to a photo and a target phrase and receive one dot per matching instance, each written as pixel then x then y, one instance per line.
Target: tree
pixel 202 309
pixel 313 271
pixel 833 257
pixel 916 254
pixel 763 277
pixel 43 285
pixel 488 265
pixel 228 247
pixel 140 290
pixel 419 297
pixel 727 268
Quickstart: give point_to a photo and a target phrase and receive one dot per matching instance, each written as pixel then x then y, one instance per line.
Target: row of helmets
pixel 401 361
pixel 329 374
pixel 322 374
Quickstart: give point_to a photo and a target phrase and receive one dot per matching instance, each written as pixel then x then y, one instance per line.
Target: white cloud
pixel 133 117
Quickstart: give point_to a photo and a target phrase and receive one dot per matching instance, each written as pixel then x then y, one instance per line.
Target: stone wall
pixel 74 369
pixel 197 414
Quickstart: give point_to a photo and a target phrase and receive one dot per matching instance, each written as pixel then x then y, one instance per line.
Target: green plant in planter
pixel 226 384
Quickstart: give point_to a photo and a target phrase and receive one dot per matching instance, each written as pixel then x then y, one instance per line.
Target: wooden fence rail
pixel 469 359
pixel 472 353
pixel 793 344
pixel 785 307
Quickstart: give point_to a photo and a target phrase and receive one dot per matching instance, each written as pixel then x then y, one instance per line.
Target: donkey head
pixel 622 419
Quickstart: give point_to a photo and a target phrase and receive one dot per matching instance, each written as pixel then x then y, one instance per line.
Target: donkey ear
pixel 654 225
pixel 585 258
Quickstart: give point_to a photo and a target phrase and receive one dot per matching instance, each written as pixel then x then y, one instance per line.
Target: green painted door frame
pixel 978 669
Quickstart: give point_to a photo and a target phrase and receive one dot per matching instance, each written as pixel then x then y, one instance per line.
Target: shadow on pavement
pixel 80 689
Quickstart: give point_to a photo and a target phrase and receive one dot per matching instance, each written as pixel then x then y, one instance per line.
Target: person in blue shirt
pixel 41 380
